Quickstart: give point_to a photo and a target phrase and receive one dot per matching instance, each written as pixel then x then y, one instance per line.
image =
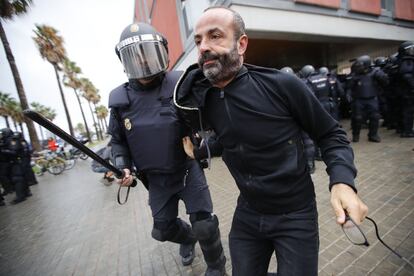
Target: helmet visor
pixel 144 59
pixel 409 50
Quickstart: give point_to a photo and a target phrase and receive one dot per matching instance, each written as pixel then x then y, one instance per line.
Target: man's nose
pixel 203 46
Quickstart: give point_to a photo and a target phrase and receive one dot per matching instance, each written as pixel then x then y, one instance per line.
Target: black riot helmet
pixel 362 64
pixel 17 135
pixel 406 49
pixel 324 71
pixel 143 51
pixel 287 70
pixel 306 71
pixel 5 133
pixel 380 61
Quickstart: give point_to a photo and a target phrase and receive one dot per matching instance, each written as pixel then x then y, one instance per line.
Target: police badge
pixel 127 124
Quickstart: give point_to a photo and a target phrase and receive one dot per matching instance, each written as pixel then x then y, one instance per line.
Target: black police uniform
pixel 258 118
pixel 147 133
pixel 364 88
pixel 5 163
pixel 406 85
pixel 15 152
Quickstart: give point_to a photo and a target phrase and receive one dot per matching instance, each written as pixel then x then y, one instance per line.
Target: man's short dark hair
pixel 238 23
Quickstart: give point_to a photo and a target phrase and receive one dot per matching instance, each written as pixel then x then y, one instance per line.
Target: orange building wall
pixel 164 18
pixel 326 3
pixel 404 9
pixel 366 6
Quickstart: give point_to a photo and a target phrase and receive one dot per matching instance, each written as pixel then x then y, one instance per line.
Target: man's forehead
pixel 220 19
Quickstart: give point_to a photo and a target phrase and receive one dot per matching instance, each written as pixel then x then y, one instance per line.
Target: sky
pixel 90 29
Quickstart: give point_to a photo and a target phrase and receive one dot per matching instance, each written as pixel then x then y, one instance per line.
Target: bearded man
pixel 258 115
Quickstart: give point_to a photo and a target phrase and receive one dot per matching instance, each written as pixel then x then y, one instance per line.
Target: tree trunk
pixel 41 133
pixel 94 122
pixel 7 121
pixel 64 101
pixel 20 90
pixel 21 129
pixel 83 116
pixel 106 123
pixel 99 125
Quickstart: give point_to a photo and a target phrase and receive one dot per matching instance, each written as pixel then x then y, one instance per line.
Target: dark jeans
pixel 293 236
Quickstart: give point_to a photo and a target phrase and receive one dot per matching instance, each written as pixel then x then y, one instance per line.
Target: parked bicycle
pixel 47 161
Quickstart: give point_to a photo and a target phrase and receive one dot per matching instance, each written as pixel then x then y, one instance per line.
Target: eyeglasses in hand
pixel 356 236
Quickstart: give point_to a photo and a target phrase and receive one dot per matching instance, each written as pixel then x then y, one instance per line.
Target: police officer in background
pixel 364 86
pixel 392 95
pixel 336 91
pixel 15 153
pixel 311 150
pixel 147 133
pixel 5 181
pixel 406 82
pixel 29 175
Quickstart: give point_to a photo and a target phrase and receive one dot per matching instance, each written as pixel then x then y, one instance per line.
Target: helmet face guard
pixel 409 50
pixel 143 56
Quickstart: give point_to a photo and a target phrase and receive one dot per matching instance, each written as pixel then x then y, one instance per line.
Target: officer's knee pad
pixel 204 229
pixel 164 230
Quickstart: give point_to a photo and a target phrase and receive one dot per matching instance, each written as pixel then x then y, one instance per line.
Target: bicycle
pixel 48 161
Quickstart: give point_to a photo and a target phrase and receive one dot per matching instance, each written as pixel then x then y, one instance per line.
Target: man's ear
pixel 242 44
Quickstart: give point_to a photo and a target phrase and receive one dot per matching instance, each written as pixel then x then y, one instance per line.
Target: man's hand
pixel 344 199
pixel 188 147
pixel 127 180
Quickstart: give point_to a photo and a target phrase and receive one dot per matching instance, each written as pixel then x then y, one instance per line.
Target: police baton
pixel 38 118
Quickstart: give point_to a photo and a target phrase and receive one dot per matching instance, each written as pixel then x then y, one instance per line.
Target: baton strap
pixel 119 195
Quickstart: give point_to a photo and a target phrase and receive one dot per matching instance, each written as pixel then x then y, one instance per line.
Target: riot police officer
pixel 406 82
pixel 147 133
pixel 5 181
pixel 309 145
pixel 364 84
pixel 14 152
pixel 26 153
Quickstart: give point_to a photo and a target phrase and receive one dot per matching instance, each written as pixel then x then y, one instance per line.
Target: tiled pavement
pixel 72 224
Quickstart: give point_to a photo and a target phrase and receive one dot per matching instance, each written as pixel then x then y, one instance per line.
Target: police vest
pixel 151 125
pixel 320 87
pixel 365 86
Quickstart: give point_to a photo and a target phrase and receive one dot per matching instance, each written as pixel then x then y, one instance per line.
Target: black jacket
pixel 258 118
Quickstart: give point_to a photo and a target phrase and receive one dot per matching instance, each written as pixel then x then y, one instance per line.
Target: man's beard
pixel 224 67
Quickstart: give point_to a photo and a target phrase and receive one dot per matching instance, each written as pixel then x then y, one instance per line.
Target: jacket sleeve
pixel 120 150
pixel 323 129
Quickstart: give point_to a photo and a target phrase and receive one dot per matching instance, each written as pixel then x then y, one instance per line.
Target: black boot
pixel 373 131
pixel 185 237
pixel 407 135
pixel 355 138
pixel 187 253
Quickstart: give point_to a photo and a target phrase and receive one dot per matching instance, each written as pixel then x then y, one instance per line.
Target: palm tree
pixel 51 48
pixel 9 9
pixel 90 94
pixel 4 107
pixel 17 116
pixel 101 114
pixel 70 79
pixel 80 128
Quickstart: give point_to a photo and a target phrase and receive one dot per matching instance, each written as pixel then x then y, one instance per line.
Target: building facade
pixel 291 32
